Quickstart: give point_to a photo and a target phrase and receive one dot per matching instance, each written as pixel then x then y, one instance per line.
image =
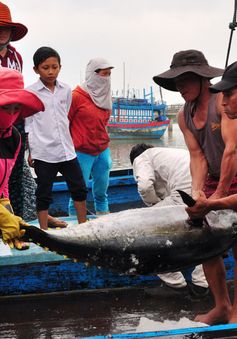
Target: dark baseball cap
pixel 228 80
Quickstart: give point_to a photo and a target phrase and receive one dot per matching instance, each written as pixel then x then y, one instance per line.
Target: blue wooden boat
pixel 207 332
pixel 137 118
pixel 37 271
pixel 122 193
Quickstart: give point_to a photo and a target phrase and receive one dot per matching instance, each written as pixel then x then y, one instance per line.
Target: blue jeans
pixel 98 167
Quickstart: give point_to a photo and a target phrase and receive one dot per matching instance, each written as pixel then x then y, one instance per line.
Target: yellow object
pixel 6 203
pixel 9 223
pixel 20 245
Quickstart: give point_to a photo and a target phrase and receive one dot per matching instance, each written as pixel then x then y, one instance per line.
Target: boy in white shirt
pixel 159 173
pixel 50 143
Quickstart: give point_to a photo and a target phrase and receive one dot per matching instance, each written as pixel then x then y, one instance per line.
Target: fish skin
pixel 143 241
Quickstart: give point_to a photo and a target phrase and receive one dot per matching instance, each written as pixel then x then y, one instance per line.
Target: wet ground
pixel 84 314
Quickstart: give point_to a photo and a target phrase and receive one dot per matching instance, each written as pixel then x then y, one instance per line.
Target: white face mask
pixel 98 86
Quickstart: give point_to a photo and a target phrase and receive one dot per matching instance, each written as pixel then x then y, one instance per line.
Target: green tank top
pixel 209 137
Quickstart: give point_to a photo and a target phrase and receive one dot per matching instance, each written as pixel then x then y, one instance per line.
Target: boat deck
pixel 44 295
pixel 38 271
pixel 124 313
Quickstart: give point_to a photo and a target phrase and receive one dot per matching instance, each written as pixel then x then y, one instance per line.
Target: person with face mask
pixel 89 115
pixel 15 102
pixel 21 192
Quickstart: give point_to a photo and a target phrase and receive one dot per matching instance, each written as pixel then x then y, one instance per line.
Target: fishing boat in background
pixel 138 118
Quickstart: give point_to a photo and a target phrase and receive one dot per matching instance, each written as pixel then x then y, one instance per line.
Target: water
pixel 77 315
pixel 120 149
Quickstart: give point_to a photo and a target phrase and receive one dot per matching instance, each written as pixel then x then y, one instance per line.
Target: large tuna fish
pixel 143 241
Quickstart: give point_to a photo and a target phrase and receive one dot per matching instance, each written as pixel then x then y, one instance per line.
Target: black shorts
pixel 46 173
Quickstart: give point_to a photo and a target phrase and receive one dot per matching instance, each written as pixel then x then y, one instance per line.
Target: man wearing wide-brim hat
pixel 10 31
pixel 211 139
pixel 228 86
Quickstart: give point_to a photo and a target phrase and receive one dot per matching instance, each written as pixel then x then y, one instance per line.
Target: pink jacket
pixel 7 162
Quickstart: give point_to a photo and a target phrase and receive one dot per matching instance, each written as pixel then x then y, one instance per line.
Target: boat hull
pixel 122 194
pixel 205 332
pixel 147 130
pixel 37 271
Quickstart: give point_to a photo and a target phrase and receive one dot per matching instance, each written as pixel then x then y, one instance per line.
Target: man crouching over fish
pixel 160 172
pixel 228 86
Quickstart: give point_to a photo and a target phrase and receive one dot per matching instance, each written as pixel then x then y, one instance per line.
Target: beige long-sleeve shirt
pixel 160 172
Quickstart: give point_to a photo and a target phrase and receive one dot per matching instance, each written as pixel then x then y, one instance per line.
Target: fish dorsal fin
pixel 187 199
pixel 190 202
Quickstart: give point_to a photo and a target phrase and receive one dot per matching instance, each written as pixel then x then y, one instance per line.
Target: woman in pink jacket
pixel 15 102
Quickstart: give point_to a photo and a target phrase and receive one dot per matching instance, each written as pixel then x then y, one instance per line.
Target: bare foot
pixel 56 223
pixel 233 317
pixel 215 316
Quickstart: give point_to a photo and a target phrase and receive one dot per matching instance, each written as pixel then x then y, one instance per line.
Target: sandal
pixel 20 245
pixel 56 223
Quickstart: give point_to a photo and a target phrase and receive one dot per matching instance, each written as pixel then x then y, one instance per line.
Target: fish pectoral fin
pixel 206 223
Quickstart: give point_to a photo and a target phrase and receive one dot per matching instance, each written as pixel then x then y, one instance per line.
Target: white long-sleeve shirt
pixel 49 135
pixel 160 172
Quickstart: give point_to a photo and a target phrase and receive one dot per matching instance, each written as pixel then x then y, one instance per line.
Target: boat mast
pixel 161 95
pixel 118 104
pixel 124 80
pixel 151 100
pixel 232 27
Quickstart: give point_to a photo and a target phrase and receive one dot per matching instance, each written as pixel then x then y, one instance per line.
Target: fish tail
pixel 47 241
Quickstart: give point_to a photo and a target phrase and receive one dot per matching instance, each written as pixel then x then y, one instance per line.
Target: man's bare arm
pixel 229 159
pixel 198 163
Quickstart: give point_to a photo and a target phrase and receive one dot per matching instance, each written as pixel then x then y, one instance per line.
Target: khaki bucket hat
pixel 183 62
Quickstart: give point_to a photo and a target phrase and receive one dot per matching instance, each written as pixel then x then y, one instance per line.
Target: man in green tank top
pixel 211 138
pixel 228 86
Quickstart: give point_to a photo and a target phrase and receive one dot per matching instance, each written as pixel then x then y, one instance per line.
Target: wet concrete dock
pixel 86 314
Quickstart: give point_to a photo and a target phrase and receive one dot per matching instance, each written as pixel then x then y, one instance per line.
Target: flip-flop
pixel 56 223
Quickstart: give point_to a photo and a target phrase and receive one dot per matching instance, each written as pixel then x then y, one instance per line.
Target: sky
pixel 139 37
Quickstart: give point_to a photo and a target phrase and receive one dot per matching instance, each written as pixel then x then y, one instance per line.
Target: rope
pixel 232 27
pixel 90 212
